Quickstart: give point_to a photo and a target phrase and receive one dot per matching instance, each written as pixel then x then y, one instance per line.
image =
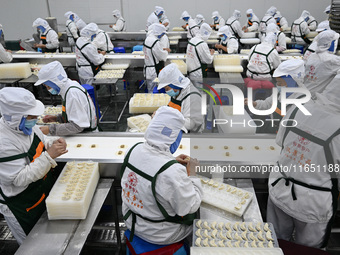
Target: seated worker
pixel 302 204
pixel 281 21
pixel 190 22
pixel 252 23
pixel 267 19
pixel 48 37
pixel 280 44
pixel 235 25
pixel 119 25
pixel 218 21
pixel 79 113
pixel 263 60
pixel 103 41
pixel 26 161
pixel 177 191
pixel 88 58
pixel 312 23
pixel 300 29
pixel 228 44
pixel 290 73
pixel 184 97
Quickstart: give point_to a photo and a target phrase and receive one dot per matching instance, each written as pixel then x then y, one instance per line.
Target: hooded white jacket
pixel 299 29
pixel 103 41
pixel 72 32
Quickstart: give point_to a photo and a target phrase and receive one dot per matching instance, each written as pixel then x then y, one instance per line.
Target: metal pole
pixel 122 9
pixel 48 8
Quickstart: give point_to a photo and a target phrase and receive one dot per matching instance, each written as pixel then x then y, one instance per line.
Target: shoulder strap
pixel 11 158
pixel 126 160
pixel 192 93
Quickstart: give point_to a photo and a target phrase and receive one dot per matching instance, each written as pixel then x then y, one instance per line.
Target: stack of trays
pixel 147 103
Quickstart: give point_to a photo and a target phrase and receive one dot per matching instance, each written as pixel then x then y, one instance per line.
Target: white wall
pixel 17 16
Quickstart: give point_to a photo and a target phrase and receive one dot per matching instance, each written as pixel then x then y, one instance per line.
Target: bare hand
pixel 183 159
pixel 213 25
pixel 61 141
pixel 9 51
pixel 212 51
pixel 191 166
pixel 57 149
pixel 167 49
pixel 49 118
pixel 246 30
pixel 184 26
pixel 45 130
pixel 218 46
pixel 111 26
pixel 166 24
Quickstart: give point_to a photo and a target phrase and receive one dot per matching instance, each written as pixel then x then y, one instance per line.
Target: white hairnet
pixel 328 9
pixel 270 39
pixel 305 14
pixel 158 10
pixel 89 30
pixel 277 15
pixel 249 11
pixel 199 18
pixel 215 14
pixel 330 96
pixel 324 25
pixel 19 101
pixel 40 22
pixel 68 14
pixel 271 11
pixel 116 13
pixel 205 31
pixel 53 72
pixel 157 29
pixel 237 14
pixel 185 14
pixel 293 67
pixel 272 28
pixel 172 75
pixel 325 39
pixel 225 30
pixel 164 128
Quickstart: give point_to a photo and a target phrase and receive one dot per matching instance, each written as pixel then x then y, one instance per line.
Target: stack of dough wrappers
pixel 227 63
pixel 15 71
pixel 72 193
pixel 182 66
pixel 139 123
pixel 110 74
pixel 147 103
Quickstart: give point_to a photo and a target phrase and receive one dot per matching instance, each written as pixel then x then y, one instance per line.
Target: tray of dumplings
pixel 225 196
pixel 234 251
pixel 147 103
pixel 209 233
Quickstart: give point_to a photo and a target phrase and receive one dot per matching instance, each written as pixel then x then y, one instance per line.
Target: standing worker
pixel 155 54
pixel 165 22
pixel 88 58
pixel 103 41
pixel 155 17
pixel 48 37
pixel 253 22
pixel 72 30
pixel 119 24
pixel 228 44
pixel 26 161
pixel 79 113
pixel 218 21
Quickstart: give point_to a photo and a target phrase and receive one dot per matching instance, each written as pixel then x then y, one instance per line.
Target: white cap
pixel 158 10
pixel 185 14
pixel 199 18
pixel 89 30
pixel 325 40
pixel 157 29
pixel 271 11
pixel 116 13
pixel 270 39
pixel 237 14
pixel 19 101
pixel 224 30
pixel 292 67
pixel 249 11
pixel 328 9
pixel 215 14
pixel 277 15
pixel 324 25
pixel 272 27
pixel 305 14
pixel 68 14
pixel 53 72
pixel 40 22
pixel 172 75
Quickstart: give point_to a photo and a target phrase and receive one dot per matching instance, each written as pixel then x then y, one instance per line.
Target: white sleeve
pixel 284 24
pixel 5 56
pixel 282 45
pixel 91 52
pixel 232 46
pixel 274 58
pixel 222 22
pixel 264 104
pixel 238 27
pixel 204 53
pixel 52 40
pixel 254 27
pixel 305 29
pixel 191 110
pixel 159 53
pixel 118 26
pixel 77 108
pixel 73 29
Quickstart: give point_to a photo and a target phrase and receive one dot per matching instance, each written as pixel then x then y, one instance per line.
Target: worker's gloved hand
pixel 57 149
pixel 191 166
pixel 49 118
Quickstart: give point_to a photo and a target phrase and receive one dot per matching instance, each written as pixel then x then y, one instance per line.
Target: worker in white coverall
pixel 2 36
pixel 300 29
pixel 184 97
pixel 26 161
pixel 119 24
pixel 281 21
pixel 72 30
pixel 177 190
pixel 79 22
pixel 280 44
pixel 304 202
pixel 228 44
pixel 164 20
pixel 289 74
pixel 48 37
pixel 5 55
pixel 327 11
pixel 199 19
pixel 323 65
pixel 323 26
pixel 312 23
pixel 266 20
pixel 103 41
pixel 78 111
pixel 155 17
pixel 199 55
pixel 235 25
pixel 253 22
pixel 218 21
pixel 88 58
pixel 190 24
pixel 154 54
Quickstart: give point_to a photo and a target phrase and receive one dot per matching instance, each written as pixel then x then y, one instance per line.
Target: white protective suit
pixel 72 30
pixel 79 107
pixel 312 23
pixel 164 19
pixel 231 42
pixel 120 22
pixel 220 22
pixel 281 21
pixel 52 42
pixel 153 53
pixel 16 175
pixel 191 105
pixel 103 41
pixel 235 25
pixel 323 65
pixel 308 211
pixel 177 192
pixel 153 17
pixel 300 28
pixel 280 44
pixel 79 22
pixel 199 19
pixel 198 53
pixel 84 47
pixel 259 56
pixel 5 56
pixel 193 28
pixel 266 20
pixel 252 24
pixel 323 26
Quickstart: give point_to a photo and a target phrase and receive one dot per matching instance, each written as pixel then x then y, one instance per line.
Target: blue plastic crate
pixel 119 49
